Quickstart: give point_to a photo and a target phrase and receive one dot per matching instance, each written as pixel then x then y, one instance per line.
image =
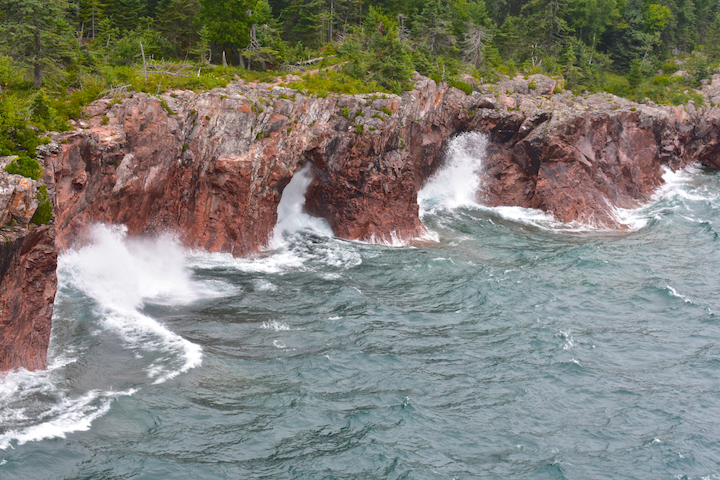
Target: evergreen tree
pixel 125 14
pixel 36 33
pixel 91 13
pixel 713 39
pixel 389 62
pixel 228 22
pixel 176 21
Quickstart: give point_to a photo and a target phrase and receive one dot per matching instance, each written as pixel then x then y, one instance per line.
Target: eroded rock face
pixel 579 158
pixel 214 171
pixel 18 196
pixel 214 167
pixel 28 283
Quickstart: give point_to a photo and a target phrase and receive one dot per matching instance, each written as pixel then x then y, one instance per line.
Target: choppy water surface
pixel 511 347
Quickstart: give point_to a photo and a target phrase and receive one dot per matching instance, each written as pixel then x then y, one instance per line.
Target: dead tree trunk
pixel 142 50
pixel 37 67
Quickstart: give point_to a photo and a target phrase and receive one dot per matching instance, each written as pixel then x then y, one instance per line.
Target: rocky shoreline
pixel 212 166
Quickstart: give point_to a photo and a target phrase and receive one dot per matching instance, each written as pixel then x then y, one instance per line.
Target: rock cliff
pixel 28 260
pixel 28 283
pixel 212 167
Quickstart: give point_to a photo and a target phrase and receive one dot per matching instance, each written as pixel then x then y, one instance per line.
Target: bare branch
pixel 476 40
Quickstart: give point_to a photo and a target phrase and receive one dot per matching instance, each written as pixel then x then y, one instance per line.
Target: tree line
pixel 593 44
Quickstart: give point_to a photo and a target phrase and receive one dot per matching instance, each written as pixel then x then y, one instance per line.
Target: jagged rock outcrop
pixel 27 274
pixel 212 166
pixel 579 157
pixel 28 260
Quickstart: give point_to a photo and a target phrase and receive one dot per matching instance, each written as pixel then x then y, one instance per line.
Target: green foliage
pixel 227 21
pixel 388 61
pixel 36 34
pixel 359 130
pixel 44 212
pixel 10 75
pixel 43 115
pixel 89 46
pixel 166 107
pixel 16 136
pixel 460 85
pixel 25 166
pixel 326 82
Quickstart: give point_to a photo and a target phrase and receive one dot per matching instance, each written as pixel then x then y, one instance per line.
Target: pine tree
pixel 713 39
pixel 91 13
pixel 389 62
pixel 36 33
pixel 175 20
pixel 125 14
pixel 227 22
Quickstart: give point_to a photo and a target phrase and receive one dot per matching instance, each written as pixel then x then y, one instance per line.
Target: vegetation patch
pixel 25 166
pixel 44 213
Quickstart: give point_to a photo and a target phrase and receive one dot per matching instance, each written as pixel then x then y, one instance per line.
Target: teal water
pixel 506 346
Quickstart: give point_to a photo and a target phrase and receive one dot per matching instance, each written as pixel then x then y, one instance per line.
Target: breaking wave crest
pixel 121 274
pixel 299 242
pixel 115 277
pixel 456 185
pixel 679 194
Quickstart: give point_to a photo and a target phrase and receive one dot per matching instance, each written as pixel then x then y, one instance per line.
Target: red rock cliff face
pixel 27 291
pixel 214 167
pixel 579 158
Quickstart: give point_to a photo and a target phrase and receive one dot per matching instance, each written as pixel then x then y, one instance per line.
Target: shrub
pixel 325 83
pixel 44 212
pixel 460 85
pixel 25 166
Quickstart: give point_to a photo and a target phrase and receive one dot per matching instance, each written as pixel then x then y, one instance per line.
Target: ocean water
pixel 503 345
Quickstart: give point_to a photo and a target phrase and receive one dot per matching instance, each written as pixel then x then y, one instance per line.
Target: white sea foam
pixel 678 191
pixel 33 405
pixel 456 184
pixel 675 293
pixel 122 274
pixel 293 245
pixel 569 341
pixel 265 286
pixel 395 240
pixel 275 325
pixel 291 211
pixel 67 416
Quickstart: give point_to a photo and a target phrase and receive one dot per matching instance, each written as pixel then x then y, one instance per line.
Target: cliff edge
pixel 212 167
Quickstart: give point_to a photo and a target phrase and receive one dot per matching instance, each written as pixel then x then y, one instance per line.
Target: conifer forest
pixel 58 55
